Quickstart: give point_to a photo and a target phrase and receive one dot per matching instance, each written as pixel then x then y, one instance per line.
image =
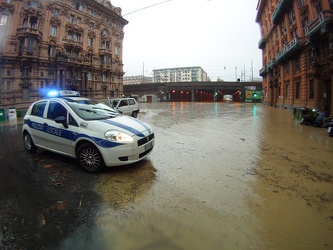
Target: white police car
pixel 82 128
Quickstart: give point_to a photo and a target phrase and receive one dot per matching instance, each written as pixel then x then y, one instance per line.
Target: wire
pixel 146 7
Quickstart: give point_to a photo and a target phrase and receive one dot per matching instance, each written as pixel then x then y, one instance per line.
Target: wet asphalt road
pixel 221 176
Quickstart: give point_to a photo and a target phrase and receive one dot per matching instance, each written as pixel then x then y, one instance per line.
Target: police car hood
pixel 126 124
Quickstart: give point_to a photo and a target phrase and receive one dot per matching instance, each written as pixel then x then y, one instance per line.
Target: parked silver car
pixel 128 106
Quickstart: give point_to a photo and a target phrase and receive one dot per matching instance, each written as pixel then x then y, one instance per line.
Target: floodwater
pixel 221 176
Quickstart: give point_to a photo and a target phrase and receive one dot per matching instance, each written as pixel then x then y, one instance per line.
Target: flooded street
pixel 221 176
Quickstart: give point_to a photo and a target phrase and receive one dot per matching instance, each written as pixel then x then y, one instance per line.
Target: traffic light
pixel 254 94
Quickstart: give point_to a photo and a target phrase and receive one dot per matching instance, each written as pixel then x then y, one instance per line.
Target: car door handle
pixel 45 124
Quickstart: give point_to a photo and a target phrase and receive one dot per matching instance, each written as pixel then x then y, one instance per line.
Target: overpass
pixel 194 91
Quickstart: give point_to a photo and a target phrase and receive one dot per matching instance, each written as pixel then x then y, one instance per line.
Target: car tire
pixel 89 158
pixel 28 142
pixel 135 114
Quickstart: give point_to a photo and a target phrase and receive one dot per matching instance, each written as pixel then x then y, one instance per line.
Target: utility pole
pixel 252 70
pixel 143 72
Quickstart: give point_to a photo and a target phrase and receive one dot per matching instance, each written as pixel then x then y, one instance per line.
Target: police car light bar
pixel 62 93
pixel 69 93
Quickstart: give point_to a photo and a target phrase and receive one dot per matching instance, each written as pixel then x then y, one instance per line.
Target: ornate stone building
pixel 297 49
pixel 64 44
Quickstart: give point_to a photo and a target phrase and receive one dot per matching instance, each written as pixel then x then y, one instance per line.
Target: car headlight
pixel 117 136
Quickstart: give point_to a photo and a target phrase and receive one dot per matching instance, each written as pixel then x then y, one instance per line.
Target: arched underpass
pixel 194 91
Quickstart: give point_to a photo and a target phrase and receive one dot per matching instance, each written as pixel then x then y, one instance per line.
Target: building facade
pixel 129 80
pixel 64 44
pixel 185 74
pixel 297 53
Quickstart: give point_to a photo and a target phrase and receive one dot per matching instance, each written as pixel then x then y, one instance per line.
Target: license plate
pixel 148 146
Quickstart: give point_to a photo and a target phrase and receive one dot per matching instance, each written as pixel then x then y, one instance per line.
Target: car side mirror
pixel 62 120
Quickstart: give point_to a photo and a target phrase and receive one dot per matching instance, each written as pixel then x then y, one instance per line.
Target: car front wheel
pixel 135 114
pixel 90 159
pixel 28 142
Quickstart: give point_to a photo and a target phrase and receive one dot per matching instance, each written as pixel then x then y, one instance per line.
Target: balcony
pixel 270 65
pixel 104 51
pixel 72 43
pixel 320 25
pixel 262 43
pixel 281 8
pixel 23 31
pixel 289 49
pixel 263 71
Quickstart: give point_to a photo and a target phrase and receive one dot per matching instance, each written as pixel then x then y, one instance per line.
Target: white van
pixel 227 98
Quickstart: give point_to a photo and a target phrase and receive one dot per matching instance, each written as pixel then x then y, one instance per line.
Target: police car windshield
pixel 89 109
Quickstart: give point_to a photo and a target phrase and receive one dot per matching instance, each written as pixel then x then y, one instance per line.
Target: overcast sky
pixel 221 36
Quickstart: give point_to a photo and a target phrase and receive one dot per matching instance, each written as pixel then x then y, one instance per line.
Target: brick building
pixel 297 53
pixel 66 44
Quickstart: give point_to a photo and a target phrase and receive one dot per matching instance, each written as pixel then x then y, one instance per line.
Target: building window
pixel 78 21
pixel 54 31
pixel 50 71
pixel 4 19
pixel 319 8
pixel 104 77
pixel 331 4
pixel 90 41
pixel 41 85
pixel 305 23
pixel 286 69
pixel 116 50
pixel 101 58
pixel 297 90
pixel 90 57
pixel 311 89
pixel 108 59
pixel 292 18
pixel 283 28
pixel 326 47
pixel 301 2
pixel 25 71
pixel 8 72
pixel 287 91
pixel 294 33
pixel 25 94
pixel 89 75
pixel 56 13
pixel 8 85
pixel 91 26
pixel 92 12
pixel 8 1
pixel 71 19
pixel 79 6
pixel 297 64
pixel 52 50
pixel 31 44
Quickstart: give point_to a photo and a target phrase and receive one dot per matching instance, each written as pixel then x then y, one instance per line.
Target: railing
pixel 72 42
pixel 279 10
pixel 324 16
pixel 262 71
pixel 24 30
pixel 270 64
pixel 262 42
pixel 288 47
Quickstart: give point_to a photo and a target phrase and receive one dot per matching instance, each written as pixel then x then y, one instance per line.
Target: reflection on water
pixel 221 176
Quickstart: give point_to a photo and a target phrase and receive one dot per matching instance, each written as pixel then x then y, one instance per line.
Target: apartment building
pixel 184 74
pixel 130 80
pixel 297 53
pixel 64 44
